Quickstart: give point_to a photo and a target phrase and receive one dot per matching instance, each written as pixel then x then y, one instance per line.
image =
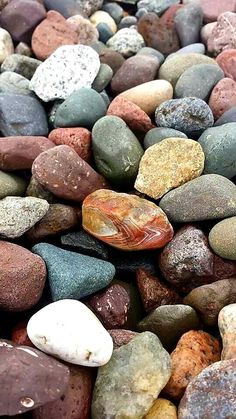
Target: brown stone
pixel 195 351
pixel 19 334
pixel 223 35
pixel 52 33
pixel 223 97
pixel 77 138
pixel 227 61
pixel 121 337
pixel 112 58
pixel 213 8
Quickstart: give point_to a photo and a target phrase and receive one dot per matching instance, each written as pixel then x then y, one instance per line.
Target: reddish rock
pixel 65 174
pixel 223 97
pixel 112 58
pixel 121 337
pixel 19 334
pixel 77 138
pixel 52 33
pixel 22 277
pixel 213 8
pixel 153 292
pixel 227 61
pixel 132 114
pixel 195 351
pixel 18 153
pixel 223 35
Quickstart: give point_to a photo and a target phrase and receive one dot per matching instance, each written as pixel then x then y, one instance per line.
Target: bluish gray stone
pixel 72 275
pixel 105 32
pixel 11 82
pixel 156 6
pixel 228 116
pixel 127 22
pixel 188 23
pixel 114 10
pixel 196 48
pixel 158 134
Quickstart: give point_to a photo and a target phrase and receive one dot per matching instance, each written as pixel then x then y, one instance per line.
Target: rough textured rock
pixel 227 327
pixel 227 61
pixel 223 97
pixel 6 45
pixel 77 138
pixel 121 337
pixel 213 8
pixel 84 243
pixel 127 41
pixel 86 32
pixel 156 6
pixel 20 64
pixel 223 34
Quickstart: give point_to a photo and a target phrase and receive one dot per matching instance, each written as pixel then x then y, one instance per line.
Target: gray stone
pixel 105 32
pixel 228 116
pixel 21 64
pixel 11 185
pixel 151 52
pixel 156 135
pixel 83 242
pixel 103 77
pixel 127 41
pixel 188 24
pixel 114 10
pixel 156 6
pixel 196 48
pixel 127 22
pixel 11 82
pixel 66 8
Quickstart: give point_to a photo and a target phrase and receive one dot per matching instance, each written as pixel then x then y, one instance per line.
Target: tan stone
pixel 103 17
pixel 169 164
pixel 162 409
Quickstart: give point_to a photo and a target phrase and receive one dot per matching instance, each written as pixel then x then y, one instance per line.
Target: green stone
pixel 156 135
pixel 103 77
pixel 11 185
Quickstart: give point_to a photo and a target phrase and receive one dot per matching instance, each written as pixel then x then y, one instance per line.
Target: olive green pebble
pixel 222 238
pixel 11 185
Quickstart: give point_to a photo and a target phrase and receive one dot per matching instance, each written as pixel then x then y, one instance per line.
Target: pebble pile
pixel 118 209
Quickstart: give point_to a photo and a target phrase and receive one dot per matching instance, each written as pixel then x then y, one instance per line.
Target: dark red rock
pixel 19 334
pixel 213 8
pixel 121 337
pixel 227 61
pixel 77 138
pixel 223 97
pixel 223 35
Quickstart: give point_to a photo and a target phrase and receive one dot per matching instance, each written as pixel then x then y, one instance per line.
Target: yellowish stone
pixel 162 409
pixel 103 17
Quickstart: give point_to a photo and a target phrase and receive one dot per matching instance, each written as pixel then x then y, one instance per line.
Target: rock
pixel 112 58
pixel 153 292
pixel 87 34
pixel 82 242
pixel 103 78
pixel 103 17
pixel 127 22
pixel 167 165
pixel 22 277
pixel 148 96
pixel 61 171
pixel 208 394
pixel 222 238
pixel 198 81
pixel 6 45
pixel 219 146
pixel 222 36
pixel 156 6
pixel 81 276
pixel 22 115
pixel 227 117
pixel 227 323
pixel 156 135
pixel 38 191
pixel 151 52
pixel 114 10
pixel 113 218
pixel 213 8
pixel 77 138
pixel 188 262
pixel 11 185
pixel 67 9
pixel 195 351
pixel 188 23
pixel 223 97
pixel 206 31
pixel 90 6
pixel 52 330
pixel 81 109
pixel 121 337
pixel 25 372
pixel 20 18
pixel 227 60
pixel 122 388
pixel 20 64
pixel 127 41
pixel 197 48
pixel 209 299
pixel 105 33
pixel 68 69
pixel 162 408
pixel 116 150
pixel 211 197
pixel 172 69
pixel 23 49
pixel 14 83
pixel 19 334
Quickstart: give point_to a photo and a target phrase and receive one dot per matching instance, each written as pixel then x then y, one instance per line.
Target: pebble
pixel 151 52
pixel 105 32
pixel 38 191
pixel 23 49
pixel 103 78
pixel 62 171
pixel 68 69
pixel 22 277
pixel 209 299
pixel 14 83
pixel 129 367
pixel 156 135
pixel 67 9
pixel 52 330
pixel 90 6
pixel 6 45
pixel 223 97
pixel 82 242
pixel 169 164
pixel 188 23
pixel 112 58
pixel 86 32
pixel 189 115
pixel 212 9
pixel 156 6
pixel 114 10
pixel 127 41
pixel 11 185
pixel 162 408
pixel 211 196
pixel 22 392
pixel 127 22
pixel 222 238
pixel 219 146
pixel 206 31
pixel 121 337
pixel 125 221
pixel 227 328
pixel 222 36
pixel 19 334
pixel 77 138
pixel 20 64
pixel 228 116
pixel 208 394
pixel 227 60
pixel 197 48
pixel 195 351
pixel 72 275
pixel 102 16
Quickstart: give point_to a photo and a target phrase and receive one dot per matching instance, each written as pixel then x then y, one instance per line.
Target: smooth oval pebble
pixel 156 135
pixel 162 408
pixel 222 238
pixel 227 328
pixel 52 330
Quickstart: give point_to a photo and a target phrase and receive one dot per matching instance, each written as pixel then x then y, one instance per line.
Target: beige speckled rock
pixel 169 164
pixel 148 96
pixel 103 17
pixel 161 409
pixel 222 238
pixel 6 45
pixel 86 31
pixel 227 327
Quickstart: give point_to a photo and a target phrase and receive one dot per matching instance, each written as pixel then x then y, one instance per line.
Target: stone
pixel 72 275
pixel 189 115
pixel 84 243
pixel 222 238
pixel 11 185
pixel 19 334
pixel 121 337
pixel 22 391
pixel 122 388
pixel 135 312
pixel 102 16
pixel 169 322
pixel 103 78
pixel 105 32
pixel 114 10
pixel 227 60
pixel 188 261
pixel 127 22
pixel 20 18
pixel 162 408
pixel 222 36
pixel 81 109
pixel 112 58
pixel 174 67
pixel 14 83
pixel 61 171
pixel 35 189
pixel 153 292
pixel 218 144
pixel 208 394
pixel 23 49
pixel 52 330
pixel 77 138
pixel 196 48
pixel 66 9
pixel 116 150
pixel 125 221
pixel 132 115
pixel 90 6
pixel 148 96
pixel 195 351
pixel 188 23
pixel 151 52
pixel 208 197
pixel 213 8
pixel 6 45
pixel 156 135
pixel 223 97
pixel 18 153
pixel 209 299
pixel 227 117
pixel 169 164
pixel 20 64
pixel 22 277
pixel 127 41
pixel 156 6
pixel 86 32
pixel 68 69
pixel 206 31
pixel 198 81
pixel 227 328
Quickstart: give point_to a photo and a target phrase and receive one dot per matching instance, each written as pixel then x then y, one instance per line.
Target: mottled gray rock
pixel 11 82
pixel 25 66
pixel 156 6
pixel 188 24
pixel 158 134
pixel 114 10
pixel 103 77
pixel 127 41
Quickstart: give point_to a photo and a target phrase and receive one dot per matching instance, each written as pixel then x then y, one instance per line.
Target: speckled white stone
pixel 6 45
pixel 69 68
pixel 69 330
pixel 127 41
